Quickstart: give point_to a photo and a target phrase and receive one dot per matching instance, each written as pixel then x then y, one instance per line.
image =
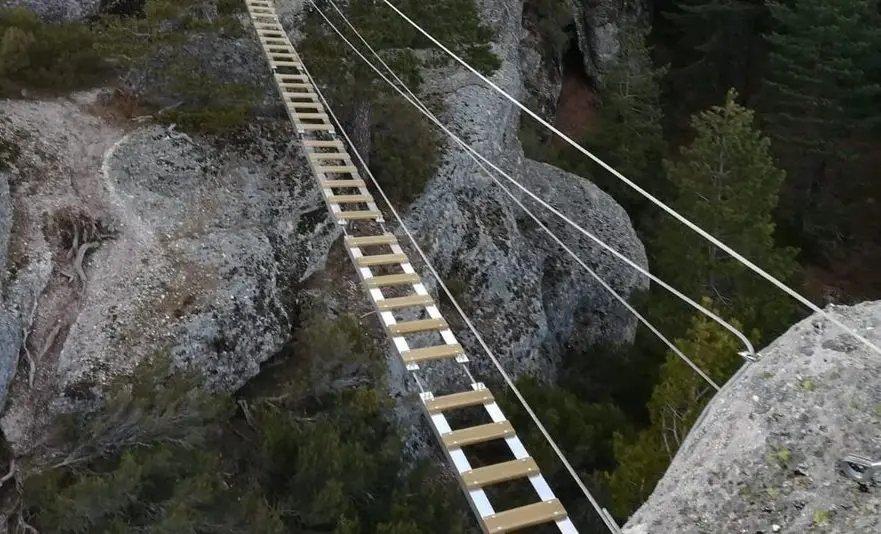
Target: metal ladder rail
pixel 334 171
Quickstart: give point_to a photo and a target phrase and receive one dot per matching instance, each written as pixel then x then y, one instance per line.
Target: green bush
pixel 43 57
pixel 318 460
pixel 405 150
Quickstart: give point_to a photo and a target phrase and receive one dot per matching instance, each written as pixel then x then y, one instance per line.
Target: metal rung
pixel 525 516
pixel 415 327
pixel 503 472
pixel 427 354
pixel 392 280
pixel 328 155
pixel 455 401
pixel 358 215
pixel 477 434
pixel 349 199
pixel 283 79
pixel 404 302
pixel 330 184
pixel 370 240
pixel 342 169
pixel 381 259
pixel 285 63
pixel 315 143
pixel 269 40
pixel 298 85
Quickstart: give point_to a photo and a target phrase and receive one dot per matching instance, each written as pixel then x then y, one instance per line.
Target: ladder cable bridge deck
pixel 385 270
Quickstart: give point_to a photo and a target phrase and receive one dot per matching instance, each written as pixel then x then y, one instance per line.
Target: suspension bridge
pixel 398 293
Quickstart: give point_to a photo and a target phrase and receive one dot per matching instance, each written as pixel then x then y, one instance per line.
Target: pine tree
pixel 726 182
pixel 676 402
pixel 719 45
pixel 628 131
pixel 818 99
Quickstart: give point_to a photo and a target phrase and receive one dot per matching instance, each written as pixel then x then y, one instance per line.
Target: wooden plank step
pixel 279 48
pixel 370 240
pixel 399 303
pixel 455 401
pixel 415 327
pixel 329 155
pixel 497 473
pixel 393 280
pixel 349 199
pixel 342 169
pixel 312 97
pixel 525 516
pixel 323 127
pixel 316 143
pixel 285 80
pixel 339 184
pixel 381 259
pixel 477 434
pixel 304 105
pixel 427 354
pixel 312 116
pixel 358 215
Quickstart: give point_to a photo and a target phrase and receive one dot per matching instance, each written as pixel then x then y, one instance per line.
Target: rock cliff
pixel 525 293
pixel 763 456
pixel 126 244
pixel 126 240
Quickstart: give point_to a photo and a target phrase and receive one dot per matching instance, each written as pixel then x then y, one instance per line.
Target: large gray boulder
pixel 196 251
pixel 525 294
pixel 763 456
pixel 598 24
pixel 57 10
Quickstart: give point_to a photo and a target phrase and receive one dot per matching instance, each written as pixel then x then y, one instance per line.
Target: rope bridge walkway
pixel 397 291
pixel 373 249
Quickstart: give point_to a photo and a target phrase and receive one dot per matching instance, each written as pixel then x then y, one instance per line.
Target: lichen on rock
pixel 765 450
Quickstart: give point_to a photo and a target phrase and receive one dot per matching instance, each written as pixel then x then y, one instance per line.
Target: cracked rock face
pixel 525 294
pixel 203 247
pixel 58 10
pixel 763 457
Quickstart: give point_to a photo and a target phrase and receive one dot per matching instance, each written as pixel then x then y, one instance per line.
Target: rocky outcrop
pixel 129 244
pixel 598 24
pixel 763 456
pixel 58 10
pixel 525 294
pixel 126 241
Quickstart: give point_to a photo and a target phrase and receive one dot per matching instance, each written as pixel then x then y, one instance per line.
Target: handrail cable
pixel 517 201
pixel 694 227
pixel 449 294
pixel 749 353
